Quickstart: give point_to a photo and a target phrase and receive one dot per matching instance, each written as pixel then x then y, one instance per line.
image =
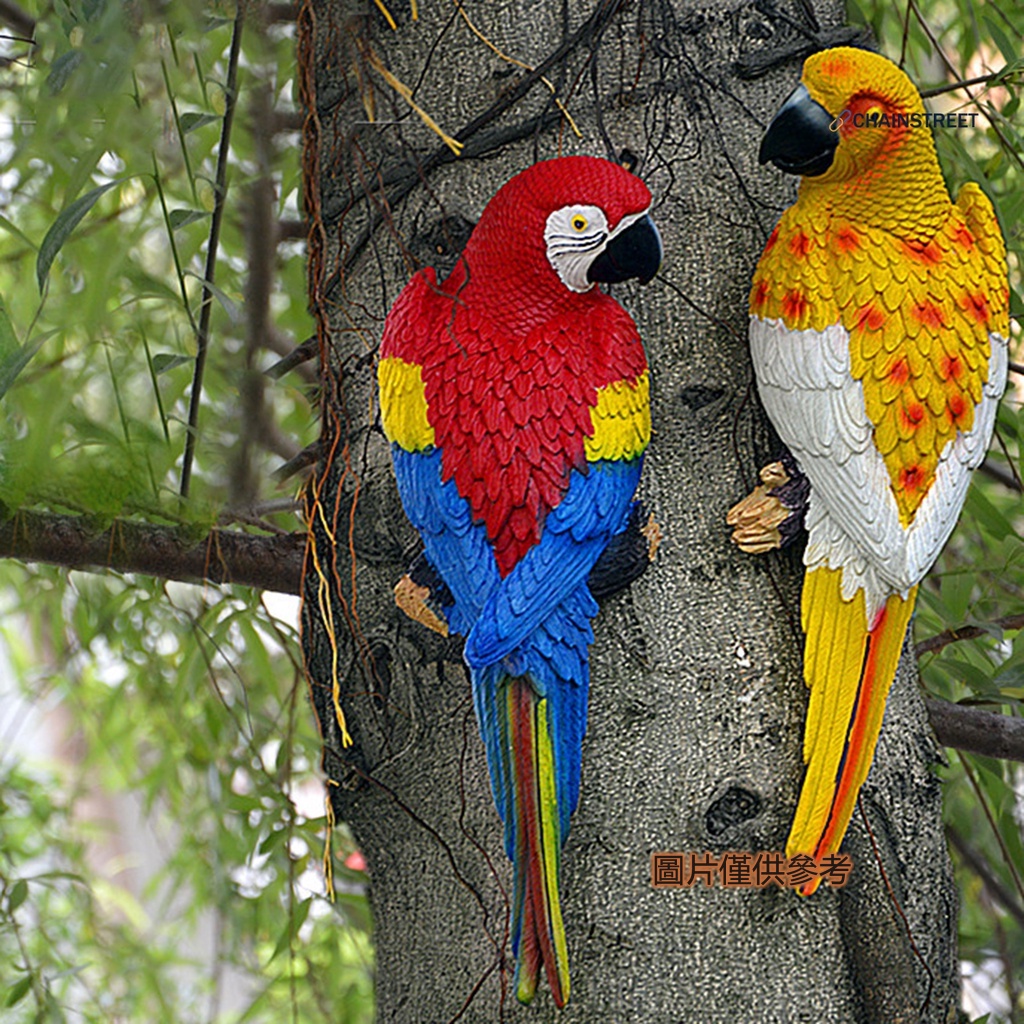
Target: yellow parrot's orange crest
pixel 878 327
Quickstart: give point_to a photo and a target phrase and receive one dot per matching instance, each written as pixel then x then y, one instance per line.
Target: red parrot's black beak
pixel 636 252
pixel 801 138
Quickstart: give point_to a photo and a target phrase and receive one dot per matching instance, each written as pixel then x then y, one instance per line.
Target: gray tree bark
pixel 697 701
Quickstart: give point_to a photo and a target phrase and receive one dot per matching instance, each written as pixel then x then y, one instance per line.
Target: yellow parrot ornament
pixel 878 333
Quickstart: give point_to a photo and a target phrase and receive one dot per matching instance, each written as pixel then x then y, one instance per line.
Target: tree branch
pixel 223 556
pixel 952 636
pixel 976 731
pixel 12 15
pixel 275 563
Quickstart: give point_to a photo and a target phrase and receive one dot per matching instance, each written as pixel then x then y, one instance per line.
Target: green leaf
pixel 191 120
pixel 1010 678
pixel 1008 50
pixel 12 366
pixel 355 908
pixel 1016 303
pixel 1011 69
pixel 969 675
pixel 180 217
pixel 66 222
pixel 291 931
pixel 229 307
pixel 990 518
pixel 164 361
pixel 13 356
pixel 9 343
pixel 18 895
pixel 955 592
pixel 13 229
pixel 17 991
pixel 62 69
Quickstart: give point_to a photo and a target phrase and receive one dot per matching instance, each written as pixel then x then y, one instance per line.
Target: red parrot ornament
pixel 878 332
pixel 515 397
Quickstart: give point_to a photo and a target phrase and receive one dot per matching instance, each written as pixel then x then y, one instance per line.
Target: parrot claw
pixel 771 515
pixel 652 531
pixel 774 475
pixel 627 556
pixel 412 598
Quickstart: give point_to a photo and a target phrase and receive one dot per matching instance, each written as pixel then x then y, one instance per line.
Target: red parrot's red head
pixel 564 224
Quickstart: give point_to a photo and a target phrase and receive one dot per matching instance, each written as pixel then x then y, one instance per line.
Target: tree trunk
pixel 697 702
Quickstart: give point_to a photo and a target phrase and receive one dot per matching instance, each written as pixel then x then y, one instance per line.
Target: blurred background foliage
pixel 161 809
pixel 161 812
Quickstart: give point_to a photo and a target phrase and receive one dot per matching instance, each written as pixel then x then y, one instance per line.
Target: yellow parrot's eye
pixel 579 222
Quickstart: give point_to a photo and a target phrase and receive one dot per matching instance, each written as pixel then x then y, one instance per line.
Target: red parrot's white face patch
pixel 575 236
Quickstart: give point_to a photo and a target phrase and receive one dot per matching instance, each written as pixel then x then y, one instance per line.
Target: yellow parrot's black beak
pixel 802 137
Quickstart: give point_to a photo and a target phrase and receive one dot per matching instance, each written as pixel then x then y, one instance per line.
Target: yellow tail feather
pixel 552 847
pixel 849 670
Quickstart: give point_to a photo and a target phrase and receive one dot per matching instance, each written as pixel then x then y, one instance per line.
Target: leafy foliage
pixel 161 832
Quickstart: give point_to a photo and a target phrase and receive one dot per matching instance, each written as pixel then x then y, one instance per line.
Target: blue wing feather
pixel 535 621
pixel 456 546
pixel 594 509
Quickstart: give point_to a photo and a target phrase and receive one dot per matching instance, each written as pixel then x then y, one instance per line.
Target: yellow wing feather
pixel 621 420
pixel 403 404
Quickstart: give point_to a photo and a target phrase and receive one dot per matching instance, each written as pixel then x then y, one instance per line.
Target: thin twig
pixel 1008 480
pixel 938 90
pixel 1007 859
pixel 220 190
pixel 897 907
pixel 300 354
pixel 978 865
pixel 307 457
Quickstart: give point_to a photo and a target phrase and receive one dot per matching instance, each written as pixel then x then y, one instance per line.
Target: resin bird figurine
pixel 878 332
pixel 515 397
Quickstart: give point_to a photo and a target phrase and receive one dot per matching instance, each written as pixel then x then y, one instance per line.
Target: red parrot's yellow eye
pixel 579 222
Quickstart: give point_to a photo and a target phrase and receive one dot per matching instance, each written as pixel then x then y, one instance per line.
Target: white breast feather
pixel 853 521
